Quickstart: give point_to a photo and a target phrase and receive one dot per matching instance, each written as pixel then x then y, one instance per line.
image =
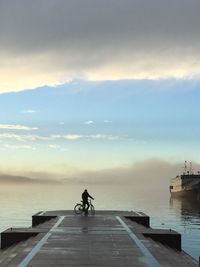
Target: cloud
pixel 32 137
pixel 17 127
pixel 29 111
pixel 9 146
pixel 97 136
pixel 53 146
pixel 24 138
pixel 88 122
pixel 103 136
pixel 52 41
pixel 72 136
pixel 53 136
pixel 58 147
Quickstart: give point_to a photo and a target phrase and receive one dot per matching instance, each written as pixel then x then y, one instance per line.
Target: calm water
pixel 20 202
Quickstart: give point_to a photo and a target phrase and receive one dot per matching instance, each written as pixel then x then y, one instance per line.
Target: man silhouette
pixel 85 196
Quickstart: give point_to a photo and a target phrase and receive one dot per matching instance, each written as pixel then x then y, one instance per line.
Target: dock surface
pixel 109 238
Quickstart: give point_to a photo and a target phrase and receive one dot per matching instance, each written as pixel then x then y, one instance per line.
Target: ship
pixel 187 184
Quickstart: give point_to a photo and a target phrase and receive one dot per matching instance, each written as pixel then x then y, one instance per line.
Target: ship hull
pixel 192 193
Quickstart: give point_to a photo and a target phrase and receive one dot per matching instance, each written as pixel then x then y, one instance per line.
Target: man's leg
pixel 84 206
pixel 87 207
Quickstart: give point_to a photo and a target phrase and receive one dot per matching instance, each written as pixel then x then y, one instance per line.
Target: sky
pixel 88 86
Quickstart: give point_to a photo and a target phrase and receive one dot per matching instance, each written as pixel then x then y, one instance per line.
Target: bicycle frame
pixel 78 209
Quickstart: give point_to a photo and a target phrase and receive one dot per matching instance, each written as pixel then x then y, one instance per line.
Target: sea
pixel 18 202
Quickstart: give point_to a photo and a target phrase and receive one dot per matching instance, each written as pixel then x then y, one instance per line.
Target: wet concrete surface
pixel 105 239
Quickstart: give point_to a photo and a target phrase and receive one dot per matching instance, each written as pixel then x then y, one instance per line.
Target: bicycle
pixel 78 209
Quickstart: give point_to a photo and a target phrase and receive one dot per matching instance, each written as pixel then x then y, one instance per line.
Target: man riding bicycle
pixel 85 196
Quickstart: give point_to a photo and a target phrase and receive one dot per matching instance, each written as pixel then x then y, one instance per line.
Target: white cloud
pixel 13 136
pixel 104 136
pixel 30 137
pixel 88 122
pixel 53 146
pixel 29 111
pixel 17 127
pixel 58 147
pixel 9 146
pixel 24 138
pixel 72 136
pixel 98 136
pixel 55 136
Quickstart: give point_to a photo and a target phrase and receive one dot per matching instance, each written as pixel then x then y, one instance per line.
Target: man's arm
pixel 90 196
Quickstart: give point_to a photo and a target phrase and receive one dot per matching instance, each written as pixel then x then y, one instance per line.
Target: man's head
pixel 85 190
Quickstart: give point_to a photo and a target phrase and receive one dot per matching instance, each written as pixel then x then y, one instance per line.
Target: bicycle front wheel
pixel 78 209
pixel 92 210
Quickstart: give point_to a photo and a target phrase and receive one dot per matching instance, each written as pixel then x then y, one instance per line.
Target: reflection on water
pixel 19 202
pixel 188 209
pixel 187 212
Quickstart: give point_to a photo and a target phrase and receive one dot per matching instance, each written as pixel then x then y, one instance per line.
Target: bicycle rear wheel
pixel 92 209
pixel 78 209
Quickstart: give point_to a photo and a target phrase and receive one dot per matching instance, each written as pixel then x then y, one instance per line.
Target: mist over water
pixel 20 202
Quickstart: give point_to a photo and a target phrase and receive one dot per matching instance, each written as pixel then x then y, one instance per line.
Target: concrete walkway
pixel 106 239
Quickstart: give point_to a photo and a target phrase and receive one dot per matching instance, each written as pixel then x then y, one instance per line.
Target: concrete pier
pixel 109 238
